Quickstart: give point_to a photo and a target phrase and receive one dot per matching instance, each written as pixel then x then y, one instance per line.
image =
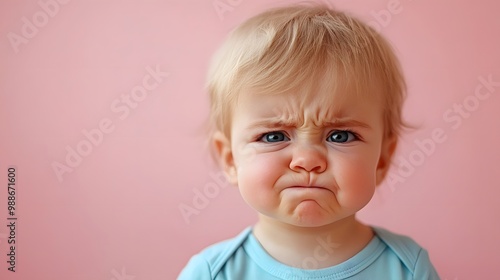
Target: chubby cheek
pixel 256 179
pixel 356 180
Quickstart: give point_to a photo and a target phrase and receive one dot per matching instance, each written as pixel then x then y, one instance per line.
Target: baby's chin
pixel 310 213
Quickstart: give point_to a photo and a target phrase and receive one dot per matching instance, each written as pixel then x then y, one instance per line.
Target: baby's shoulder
pixel 414 257
pixel 210 260
pixel 225 248
pixel 398 242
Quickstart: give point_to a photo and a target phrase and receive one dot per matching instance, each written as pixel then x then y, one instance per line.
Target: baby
pixel 306 113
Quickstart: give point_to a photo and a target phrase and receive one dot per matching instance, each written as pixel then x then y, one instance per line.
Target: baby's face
pixel 306 163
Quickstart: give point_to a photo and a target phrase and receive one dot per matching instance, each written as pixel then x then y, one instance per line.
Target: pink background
pixel 116 215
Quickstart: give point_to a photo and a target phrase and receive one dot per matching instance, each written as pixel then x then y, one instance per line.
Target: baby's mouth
pixel 307 187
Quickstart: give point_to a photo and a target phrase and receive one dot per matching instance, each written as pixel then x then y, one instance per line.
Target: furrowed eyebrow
pixel 281 123
pixel 346 123
pixel 271 124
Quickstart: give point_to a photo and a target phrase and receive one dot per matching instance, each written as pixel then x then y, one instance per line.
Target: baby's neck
pixel 312 247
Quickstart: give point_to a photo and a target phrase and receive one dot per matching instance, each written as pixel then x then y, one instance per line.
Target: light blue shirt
pixel 387 256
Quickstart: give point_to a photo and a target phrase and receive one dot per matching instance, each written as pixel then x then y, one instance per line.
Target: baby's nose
pixel 309 158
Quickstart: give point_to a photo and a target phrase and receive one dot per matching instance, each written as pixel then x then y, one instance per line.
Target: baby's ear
pixel 224 155
pixel 388 147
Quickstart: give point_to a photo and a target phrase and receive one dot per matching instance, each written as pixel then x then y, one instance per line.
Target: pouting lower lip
pixel 310 187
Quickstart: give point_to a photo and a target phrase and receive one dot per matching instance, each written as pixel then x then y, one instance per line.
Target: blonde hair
pixel 299 47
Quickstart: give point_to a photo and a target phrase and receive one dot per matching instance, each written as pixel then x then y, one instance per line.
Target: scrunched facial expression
pixel 306 161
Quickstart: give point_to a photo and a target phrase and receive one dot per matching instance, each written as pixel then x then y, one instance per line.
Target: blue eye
pixel 341 136
pixel 273 137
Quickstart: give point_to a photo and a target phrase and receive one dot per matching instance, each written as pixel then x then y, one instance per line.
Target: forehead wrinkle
pixel 303 109
pixel 310 123
pixel 288 113
pixel 321 117
pixel 322 106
